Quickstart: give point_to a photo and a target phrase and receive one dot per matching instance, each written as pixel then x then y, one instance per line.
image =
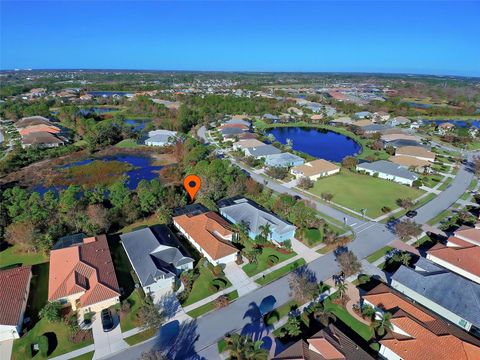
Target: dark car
pixel 411 214
pixel 107 320
pixel 340 250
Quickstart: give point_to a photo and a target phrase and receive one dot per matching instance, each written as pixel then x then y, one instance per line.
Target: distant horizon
pixel 241 71
pixel 391 37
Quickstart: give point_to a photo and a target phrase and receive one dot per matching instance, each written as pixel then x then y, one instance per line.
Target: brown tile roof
pixel 363 123
pixel 32 120
pixel 239 126
pixel 39 128
pixel 315 167
pixel 416 151
pixel 85 268
pixel 247 135
pixel 209 230
pixel 14 284
pixel 422 341
pixel 243 144
pixel 398 136
pixel 469 234
pixel 454 241
pixel 466 258
pixel 42 137
pixel 409 161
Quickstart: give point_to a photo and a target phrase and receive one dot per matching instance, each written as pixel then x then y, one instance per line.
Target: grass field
pixel 356 191
pixel 86 356
pixel 12 256
pixel 276 274
pixel 130 320
pixel 140 337
pixel 127 143
pixel 378 254
pixel 211 305
pixel 201 288
pixel 443 215
pixel 342 314
pixel 262 262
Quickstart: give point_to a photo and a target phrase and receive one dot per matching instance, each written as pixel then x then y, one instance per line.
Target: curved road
pixel 198 339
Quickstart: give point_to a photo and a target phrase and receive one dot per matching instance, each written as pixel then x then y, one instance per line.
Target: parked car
pixel 107 320
pixel 411 214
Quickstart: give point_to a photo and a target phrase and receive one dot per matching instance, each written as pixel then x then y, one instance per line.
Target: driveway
pixel 304 251
pixel 107 343
pixel 240 281
pixel 6 349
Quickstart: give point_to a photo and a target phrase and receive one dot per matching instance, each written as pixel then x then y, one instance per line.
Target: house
pixel 363 115
pixel 14 290
pixel 362 123
pixel 380 116
pixel 445 127
pixel 210 234
pixel 416 152
pixel 237 126
pixel 315 169
pixel 82 275
pixel 373 128
pixel 283 160
pixel 469 234
pixel 157 258
pixel 446 293
pixel 458 256
pixel 231 132
pixel 270 117
pixel 328 344
pixel 415 328
pixel 42 139
pixel 387 170
pixel 407 162
pixel 402 143
pixel 316 117
pixel 160 138
pixel 345 120
pixel 398 136
pixel 295 111
pixel 240 210
pixel 39 128
pixel 238 121
pixel 30 121
pixel 247 143
pixel 399 120
pixel 414 125
pixel 261 152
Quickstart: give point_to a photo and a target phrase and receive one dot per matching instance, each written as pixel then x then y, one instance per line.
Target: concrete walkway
pixel 304 251
pixel 6 348
pixel 75 353
pixel 240 281
pixel 107 343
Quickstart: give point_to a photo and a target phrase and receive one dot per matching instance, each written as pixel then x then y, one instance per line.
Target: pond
pixel 137 124
pixel 97 110
pixel 457 123
pixel 142 170
pixel 323 144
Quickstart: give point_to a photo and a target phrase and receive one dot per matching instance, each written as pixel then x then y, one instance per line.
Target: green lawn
pixel 356 191
pixel 378 254
pixel 262 262
pixel 431 180
pixel 11 256
pixel 127 143
pixel 276 314
pixel 86 356
pixel 129 320
pixel 201 288
pixel 444 214
pixel 211 305
pixel 342 314
pixel 221 346
pixel 140 337
pixel 312 237
pixel 22 346
pixel 276 274
pixel 445 184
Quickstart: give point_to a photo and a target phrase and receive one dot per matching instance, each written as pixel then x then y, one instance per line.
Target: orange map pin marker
pixel 192 184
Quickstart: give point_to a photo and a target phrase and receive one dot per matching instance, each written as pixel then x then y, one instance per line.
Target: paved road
pixel 198 339
pixel 201 133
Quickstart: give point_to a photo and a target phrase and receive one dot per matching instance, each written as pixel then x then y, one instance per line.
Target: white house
pixel 160 137
pixel 389 171
pixel 315 169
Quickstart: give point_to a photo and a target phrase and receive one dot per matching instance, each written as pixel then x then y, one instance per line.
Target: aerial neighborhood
pixel 332 217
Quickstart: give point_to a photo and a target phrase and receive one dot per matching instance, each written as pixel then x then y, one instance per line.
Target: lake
pixel 457 123
pixel 143 170
pixel 137 124
pixel 323 144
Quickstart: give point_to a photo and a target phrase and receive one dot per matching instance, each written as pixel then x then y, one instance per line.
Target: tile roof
pixel 210 231
pixel 422 343
pixel 466 258
pixel 471 235
pixel 153 256
pixel 39 128
pixel 85 269
pixel 398 136
pixel 243 210
pixel 13 285
pixel 315 167
pixel 248 143
pixel 42 137
pixel 415 151
pixel 32 120
pixel 408 161
pixel 388 168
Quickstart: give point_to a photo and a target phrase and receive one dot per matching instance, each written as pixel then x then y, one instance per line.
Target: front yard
pixel 356 191
pixel 268 258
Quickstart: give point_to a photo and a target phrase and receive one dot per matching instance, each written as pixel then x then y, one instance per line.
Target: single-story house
pixel 238 121
pixel 270 117
pixel 262 151
pixel 381 116
pixel 246 135
pixel 416 152
pixel 328 344
pixel 42 139
pixel 469 234
pixel 389 171
pixel 315 169
pixel 237 126
pixel 240 210
pixel 362 123
pixel 231 132
pixel 415 328
pixel 399 120
pixel 39 128
pixel 402 143
pixel 295 110
pixel 14 290
pixel 451 296
pixel 458 256
pixel 82 275
pixel 160 137
pixel 363 115
pixel 31 121
pixel 316 117
pixel 445 127
pixel 373 128
pixel 210 234
pixel 398 136
pixel 247 143
pixel 407 162
pixel 157 258
pixel 345 120
pixel 283 160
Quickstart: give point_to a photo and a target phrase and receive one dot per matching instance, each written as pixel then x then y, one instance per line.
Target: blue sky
pixel 389 36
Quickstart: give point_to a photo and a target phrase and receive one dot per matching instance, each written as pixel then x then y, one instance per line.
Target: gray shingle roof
pixel 239 121
pixel 403 142
pixel 449 290
pixel 246 211
pixel 388 167
pixel 283 159
pixel 231 131
pixel 264 150
pixel 153 256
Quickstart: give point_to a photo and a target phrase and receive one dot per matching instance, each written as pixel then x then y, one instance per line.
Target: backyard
pixel 356 191
pixel 11 256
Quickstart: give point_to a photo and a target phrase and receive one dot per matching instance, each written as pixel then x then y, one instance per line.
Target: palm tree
pixel 323 314
pixel 235 346
pixel 342 289
pixel 405 258
pixel 244 348
pixel 265 230
pixel 382 324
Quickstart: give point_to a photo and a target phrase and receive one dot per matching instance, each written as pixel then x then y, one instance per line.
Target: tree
pixel 119 194
pixel 323 314
pixel 305 183
pixel 406 203
pixel 342 289
pixel 244 348
pixel 292 327
pixel 303 285
pixel 149 195
pixel 21 233
pixel 381 325
pixel 150 315
pixel 368 311
pixel 221 301
pixel 327 196
pixel 99 221
pixel 350 163
pixel 349 263
pixel 51 311
pixel 277 172
pixel 265 230
pixel 154 354
pixel 405 258
pixel 407 228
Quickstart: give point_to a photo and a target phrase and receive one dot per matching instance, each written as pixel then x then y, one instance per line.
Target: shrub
pixel 221 301
pixel 43 345
pixel 218 284
pixel 386 209
pixel 272 260
pixel 305 183
pixel 217 270
pixel 51 311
